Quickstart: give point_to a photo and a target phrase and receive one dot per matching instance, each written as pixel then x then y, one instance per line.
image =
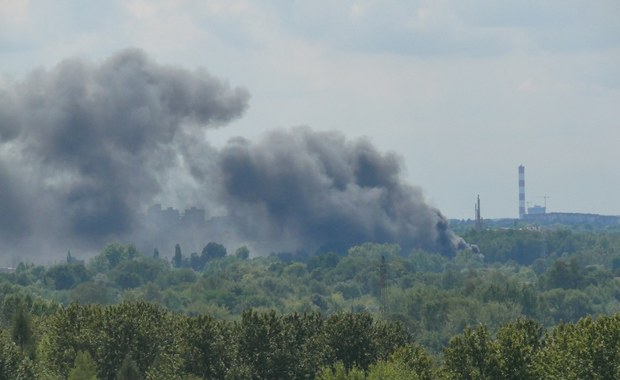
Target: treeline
pixel 145 341
pixel 548 276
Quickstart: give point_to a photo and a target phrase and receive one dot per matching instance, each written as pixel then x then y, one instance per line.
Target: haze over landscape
pixel 389 109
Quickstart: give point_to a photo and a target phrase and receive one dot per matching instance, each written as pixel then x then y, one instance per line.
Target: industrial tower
pixel 521 191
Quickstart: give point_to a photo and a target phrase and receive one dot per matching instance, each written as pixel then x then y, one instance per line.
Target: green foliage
pixel 13 363
pixel 22 331
pixel 562 274
pixel 324 260
pixel 207 345
pixel 589 349
pixel 27 274
pixel 129 370
pixel 339 372
pixel 142 331
pixel 144 341
pixel 471 355
pixel 66 276
pixel 92 292
pixel 266 345
pixel 408 362
pixel 242 253
pixel 130 274
pixel 177 259
pixel 213 251
pixel 111 256
pixel 276 347
pixel 523 246
pixel 356 340
pixel 196 262
pixel 350 341
pixel 391 370
pixel 411 359
pixel 301 325
pixel 432 296
pixel 84 368
pixel 517 347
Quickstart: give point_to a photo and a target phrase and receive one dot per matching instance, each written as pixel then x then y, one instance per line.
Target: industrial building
pixel 169 217
pixel 538 214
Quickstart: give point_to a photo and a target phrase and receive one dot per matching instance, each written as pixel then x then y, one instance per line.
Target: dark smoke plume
pixel 317 188
pixel 85 147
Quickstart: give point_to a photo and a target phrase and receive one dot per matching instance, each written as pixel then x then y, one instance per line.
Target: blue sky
pixel 463 91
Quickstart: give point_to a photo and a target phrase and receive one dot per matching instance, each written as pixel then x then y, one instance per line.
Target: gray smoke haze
pixel 87 147
pixel 317 188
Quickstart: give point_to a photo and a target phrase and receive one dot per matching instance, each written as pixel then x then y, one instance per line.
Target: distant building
pixel 569 218
pixel 193 215
pixel 536 210
pixel 537 216
pixel 170 217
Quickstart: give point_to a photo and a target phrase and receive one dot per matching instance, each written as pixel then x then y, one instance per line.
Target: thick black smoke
pixel 317 188
pixel 85 147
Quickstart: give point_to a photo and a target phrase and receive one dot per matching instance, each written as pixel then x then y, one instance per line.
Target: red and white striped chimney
pixel 521 191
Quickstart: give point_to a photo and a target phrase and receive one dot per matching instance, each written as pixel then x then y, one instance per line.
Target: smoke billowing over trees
pixel 87 147
pixel 319 187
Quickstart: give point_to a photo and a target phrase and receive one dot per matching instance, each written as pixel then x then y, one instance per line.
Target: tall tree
pixel 177 260
pixel 213 251
pixel 129 370
pixel 242 253
pixel 22 329
pixel 471 355
pixel 84 368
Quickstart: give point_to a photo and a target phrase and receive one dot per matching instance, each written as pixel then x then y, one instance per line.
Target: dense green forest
pixel 521 303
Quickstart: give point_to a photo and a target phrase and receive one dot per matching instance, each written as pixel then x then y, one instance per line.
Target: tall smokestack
pixel 521 191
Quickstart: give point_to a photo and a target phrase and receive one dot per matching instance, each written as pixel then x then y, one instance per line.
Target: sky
pixel 462 91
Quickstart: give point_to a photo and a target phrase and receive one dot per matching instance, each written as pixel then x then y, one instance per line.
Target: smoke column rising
pixel 86 148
